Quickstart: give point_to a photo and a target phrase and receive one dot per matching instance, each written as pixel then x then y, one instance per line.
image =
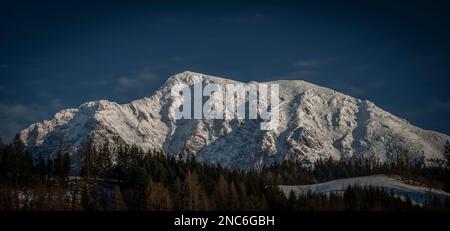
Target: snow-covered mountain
pixel 315 122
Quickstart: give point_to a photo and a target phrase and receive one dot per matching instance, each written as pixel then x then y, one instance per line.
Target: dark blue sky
pixel 55 55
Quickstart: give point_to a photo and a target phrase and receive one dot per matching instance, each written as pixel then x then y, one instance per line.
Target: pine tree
pixel 6 163
pixel 233 198
pixel 65 166
pixel 122 166
pixel 57 198
pixel 41 198
pixel 159 198
pixel 59 166
pixel 243 196
pixel 221 194
pixel 18 156
pixel 19 147
pixel 194 193
pixel 75 200
pixel 118 204
pixel 177 194
pixel 27 167
pixel 21 161
pixel 87 168
pixel 102 161
pixel 41 166
pixel 85 200
pixel 6 202
pixel 292 201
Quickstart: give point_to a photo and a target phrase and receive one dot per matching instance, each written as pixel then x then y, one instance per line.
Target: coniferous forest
pixel 128 178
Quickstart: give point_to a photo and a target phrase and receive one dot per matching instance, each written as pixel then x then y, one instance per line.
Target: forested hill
pixel 137 180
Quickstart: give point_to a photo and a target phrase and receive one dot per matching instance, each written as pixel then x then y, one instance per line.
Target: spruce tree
pixel 193 201
pixel 177 194
pixel 221 194
pixel 117 201
pixel 41 166
pixel 159 198
pixel 87 165
pixel 102 161
pixel 233 198
pixel 65 166
pixel 22 162
pixel 27 167
pixel 5 163
pixel 18 155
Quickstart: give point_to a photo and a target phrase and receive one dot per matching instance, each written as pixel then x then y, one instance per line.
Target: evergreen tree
pixel 177 194
pixel 18 156
pixel 60 203
pixel 292 201
pixel 41 198
pixel 6 163
pixel 102 161
pixel 233 198
pixel 74 198
pixel 41 166
pixel 150 180
pixel 87 166
pixel 65 166
pixel 117 201
pixel 27 167
pixel 21 161
pixel 243 197
pixel 57 163
pixel 222 193
pixel 194 198
pixel 159 198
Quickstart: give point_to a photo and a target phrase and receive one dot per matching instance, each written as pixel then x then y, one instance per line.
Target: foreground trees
pixel 127 178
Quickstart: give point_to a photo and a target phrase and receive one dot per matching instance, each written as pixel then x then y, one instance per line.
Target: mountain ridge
pixel 315 123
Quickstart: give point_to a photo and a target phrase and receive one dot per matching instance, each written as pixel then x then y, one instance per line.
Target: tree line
pixel 128 178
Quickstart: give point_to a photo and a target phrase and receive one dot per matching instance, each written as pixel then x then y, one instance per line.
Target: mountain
pixel 315 122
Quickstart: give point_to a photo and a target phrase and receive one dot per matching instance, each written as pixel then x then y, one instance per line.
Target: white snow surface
pixel 395 184
pixel 315 123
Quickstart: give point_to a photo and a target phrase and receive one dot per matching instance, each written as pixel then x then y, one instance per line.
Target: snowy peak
pixel 189 78
pixel 314 123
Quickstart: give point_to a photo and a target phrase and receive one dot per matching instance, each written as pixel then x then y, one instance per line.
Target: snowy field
pixel 418 194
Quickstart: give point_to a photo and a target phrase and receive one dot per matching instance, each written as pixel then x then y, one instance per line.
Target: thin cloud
pixel 307 75
pixel 258 17
pixel 4 66
pixel 143 78
pixel 15 117
pixel 306 63
pixel 97 83
pixel 441 105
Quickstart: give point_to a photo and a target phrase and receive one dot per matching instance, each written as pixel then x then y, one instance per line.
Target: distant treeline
pixel 128 178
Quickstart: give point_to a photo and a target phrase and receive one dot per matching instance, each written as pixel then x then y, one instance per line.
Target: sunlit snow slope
pixel 391 184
